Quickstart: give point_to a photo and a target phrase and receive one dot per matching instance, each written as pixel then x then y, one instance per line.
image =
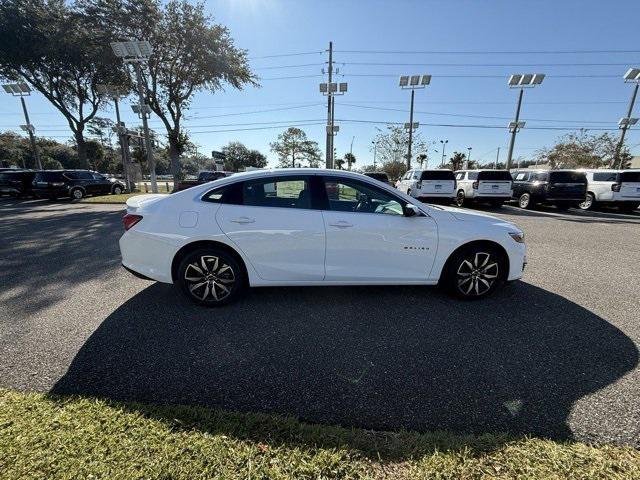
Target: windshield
pixel 494 175
pixel 438 175
pixel 567 177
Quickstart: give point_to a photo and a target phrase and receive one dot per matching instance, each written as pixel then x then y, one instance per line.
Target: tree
pixel 421 159
pixel 457 161
pixel 582 150
pixel 293 146
pixel 46 44
pixel 392 145
pixel 191 54
pixel 394 169
pixel 349 158
pixel 239 157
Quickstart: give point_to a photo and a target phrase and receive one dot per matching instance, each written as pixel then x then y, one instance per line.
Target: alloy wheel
pixel 209 279
pixel 524 200
pixel 77 194
pixel 117 190
pixel 587 203
pixel 477 274
pixel 460 199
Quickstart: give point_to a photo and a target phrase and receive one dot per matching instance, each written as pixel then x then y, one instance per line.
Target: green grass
pixel 44 436
pixel 123 197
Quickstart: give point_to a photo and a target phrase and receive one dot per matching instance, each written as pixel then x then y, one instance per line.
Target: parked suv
pixel 74 183
pixel 16 183
pixel 562 188
pixel 429 185
pixel 489 186
pixel 619 188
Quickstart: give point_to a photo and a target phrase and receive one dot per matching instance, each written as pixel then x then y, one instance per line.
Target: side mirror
pixel 410 210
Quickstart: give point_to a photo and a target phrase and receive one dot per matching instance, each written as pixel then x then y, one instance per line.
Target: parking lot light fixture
pixel 331 90
pixel 21 89
pixel 444 145
pixel 632 76
pixel 412 82
pixel 521 81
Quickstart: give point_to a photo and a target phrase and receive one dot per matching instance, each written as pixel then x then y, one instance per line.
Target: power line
pixel 430 64
pixel 292 77
pixel 296 54
pixel 261 128
pixel 456 125
pixel 276 67
pixel 483 52
pixel 255 111
pixel 458 76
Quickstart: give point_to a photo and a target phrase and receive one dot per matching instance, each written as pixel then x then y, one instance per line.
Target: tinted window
pixel 472 176
pixel 348 195
pixel 78 175
pixel 283 192
pixel 568 177
pixel 99 176
pixel 605 177
pixel 48 177
pixel 494 175
pixel 630 176
pixel 227 194
pixel 540 177
pixel 378 176
pixel 437 175
pixel 459 175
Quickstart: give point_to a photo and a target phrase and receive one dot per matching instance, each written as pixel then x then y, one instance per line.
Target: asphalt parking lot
pixel 555 354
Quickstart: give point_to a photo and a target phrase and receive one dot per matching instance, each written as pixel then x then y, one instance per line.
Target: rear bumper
pixel 136 274
pixel 147 255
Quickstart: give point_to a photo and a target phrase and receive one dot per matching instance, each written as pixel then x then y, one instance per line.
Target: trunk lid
pixel 135 204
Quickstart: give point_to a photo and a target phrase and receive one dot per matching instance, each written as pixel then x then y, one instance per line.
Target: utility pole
pixel 624 124
pixel 514 129
pixel 412 82
pixel 413 94
pixel 329 159
pixel 32 137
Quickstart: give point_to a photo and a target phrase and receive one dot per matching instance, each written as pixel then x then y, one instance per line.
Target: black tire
pixel 524 201
pixel 628 207
pixel 563 206
pixel 76 194
pixel 117 189
pixel 461 199
pixel 589 202
pixel 474 272
pixel 211 277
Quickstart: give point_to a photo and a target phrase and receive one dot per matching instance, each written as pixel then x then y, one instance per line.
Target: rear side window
pixel 605 177
pixel 494 175
pixel 630 176
pixel 48 177
pixel 229 194
pixel 78 175
pixel 282 192
pixel 437 175
pixel 472 176
pixel 460 176
pixel 540 177
pixel 567 177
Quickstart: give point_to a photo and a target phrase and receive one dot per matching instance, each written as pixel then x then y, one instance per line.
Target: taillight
pixel 616 187
pixel 129 220
pixel 475 185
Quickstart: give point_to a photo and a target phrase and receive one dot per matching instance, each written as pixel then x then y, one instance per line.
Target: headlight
pixel 517 236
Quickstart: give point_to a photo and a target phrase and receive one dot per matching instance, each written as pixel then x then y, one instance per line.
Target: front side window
pixel 521 177
pixel 347 195
pixel 282 192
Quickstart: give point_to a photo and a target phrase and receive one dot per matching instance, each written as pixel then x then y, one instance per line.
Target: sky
pixel 469 47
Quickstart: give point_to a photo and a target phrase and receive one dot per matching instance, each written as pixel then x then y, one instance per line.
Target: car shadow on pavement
pixel 385 358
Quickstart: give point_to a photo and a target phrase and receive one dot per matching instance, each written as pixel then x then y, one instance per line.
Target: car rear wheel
pixel 461 199
pixel 524 201
pixel 77 194
pixel 474 272
pixel 210 277
pixel 589 202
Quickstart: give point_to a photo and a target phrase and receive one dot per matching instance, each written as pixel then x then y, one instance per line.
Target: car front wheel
pixel 474 272
pixel 460 199
pixel 210 277
pixel 589 202
pixel 524 201
pixel 117 190
pixel 77 194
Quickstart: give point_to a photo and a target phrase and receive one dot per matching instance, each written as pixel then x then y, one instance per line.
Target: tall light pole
pixel 350 152
pixel 468 157
pixel 136 52
pixel 412 82
pixel 497 158
pixel 632 76
pixel 22 90
pixel 375 151
pixel 330 90
pixel 115 93
pixel 444 145
pixel 521 81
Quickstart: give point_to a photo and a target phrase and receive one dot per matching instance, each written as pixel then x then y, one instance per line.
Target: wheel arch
pixel 474 243
pixel 190 247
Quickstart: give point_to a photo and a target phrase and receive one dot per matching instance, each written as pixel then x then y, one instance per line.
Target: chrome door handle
pixel 242 220
pixel 341 224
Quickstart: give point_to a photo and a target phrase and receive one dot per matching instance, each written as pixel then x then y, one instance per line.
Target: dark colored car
pixel 562 188
pixel 203 177
pixel 74 183
pixel 380 176
pixel 16 183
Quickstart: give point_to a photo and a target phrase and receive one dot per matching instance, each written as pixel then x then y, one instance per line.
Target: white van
pixel 429 185
pixel 619 188
pixel 491 186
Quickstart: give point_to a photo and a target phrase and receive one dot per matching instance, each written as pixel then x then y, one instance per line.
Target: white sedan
pixel 313 227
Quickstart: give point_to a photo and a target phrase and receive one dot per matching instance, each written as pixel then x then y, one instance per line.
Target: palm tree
pixel 457 160
pixel 349 158
pixel 421 159
pixel 339 163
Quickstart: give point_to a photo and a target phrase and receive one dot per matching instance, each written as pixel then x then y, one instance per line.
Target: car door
pixel 369 239
pixel 277 228
pixel 101 184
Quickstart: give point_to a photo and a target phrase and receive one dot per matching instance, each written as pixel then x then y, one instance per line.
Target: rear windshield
pixel 48 176
pixel 494 175
pixel 630 176
pixel 438 175
pixel 567 177
pixel 378 176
